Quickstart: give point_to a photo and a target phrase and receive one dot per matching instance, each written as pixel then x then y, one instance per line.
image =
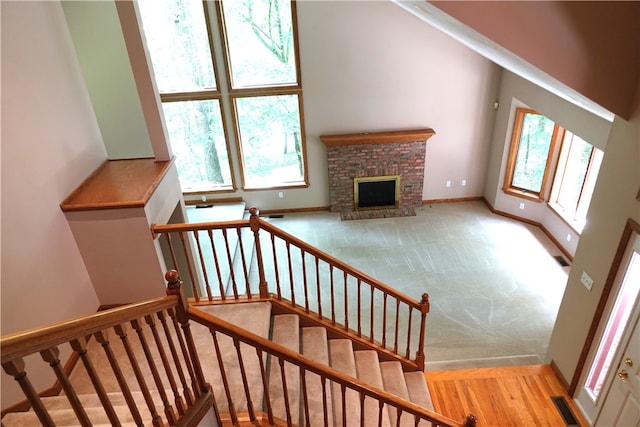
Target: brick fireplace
pixel 374 154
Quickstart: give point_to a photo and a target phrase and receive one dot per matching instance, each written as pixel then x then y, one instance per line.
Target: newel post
pixel 471 421
pixel 424 309
pixel 174 287
pixel 254 222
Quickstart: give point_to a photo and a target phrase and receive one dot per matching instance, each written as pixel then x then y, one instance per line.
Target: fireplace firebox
pixel 376 192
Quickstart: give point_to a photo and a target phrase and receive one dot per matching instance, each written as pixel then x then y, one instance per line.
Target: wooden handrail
pixel 295 358
pixel 339 264
pixel 188 240
pixel 21 344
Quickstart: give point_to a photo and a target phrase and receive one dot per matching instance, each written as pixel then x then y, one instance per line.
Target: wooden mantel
pixel 117 184
pixel 389 137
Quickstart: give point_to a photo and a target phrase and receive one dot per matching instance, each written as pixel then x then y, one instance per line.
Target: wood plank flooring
pixel 501 397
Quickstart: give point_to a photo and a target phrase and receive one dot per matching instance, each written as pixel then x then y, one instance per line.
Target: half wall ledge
pixel 388 137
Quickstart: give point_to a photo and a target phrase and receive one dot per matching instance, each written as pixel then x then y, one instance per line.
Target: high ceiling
pixel 587 52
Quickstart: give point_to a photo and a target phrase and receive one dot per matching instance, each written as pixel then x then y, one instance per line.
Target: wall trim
pixel 531 222
pixel 454 200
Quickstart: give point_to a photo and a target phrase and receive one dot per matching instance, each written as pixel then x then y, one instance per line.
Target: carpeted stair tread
pixel 315 346
pixel 419 392
pixel 66 417
pixel 341 358
pixel 368 369
pixel 254 317
pixel 395 383
pixel 286 332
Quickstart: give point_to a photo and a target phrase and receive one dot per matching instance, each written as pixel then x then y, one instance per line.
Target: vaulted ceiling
pixel 587 50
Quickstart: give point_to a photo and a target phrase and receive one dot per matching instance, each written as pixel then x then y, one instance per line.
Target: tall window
pixel 529 160
pixel 229 56
pixel 531 155
pixel 575 179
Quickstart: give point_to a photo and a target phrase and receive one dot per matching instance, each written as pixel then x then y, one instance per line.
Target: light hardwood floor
pixel 501 397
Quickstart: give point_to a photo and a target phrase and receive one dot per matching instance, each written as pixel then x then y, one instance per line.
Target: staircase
pixel 283 329
pixel 339 354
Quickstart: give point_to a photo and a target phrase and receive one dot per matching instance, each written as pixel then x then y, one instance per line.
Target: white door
pixel 621 405
pixel 610 392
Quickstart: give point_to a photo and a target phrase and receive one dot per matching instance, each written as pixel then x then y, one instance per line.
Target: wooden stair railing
pixel 294 273
pixel 191 399
pixel 327 375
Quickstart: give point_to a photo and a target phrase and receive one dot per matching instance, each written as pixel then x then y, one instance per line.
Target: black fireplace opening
pixel 376 193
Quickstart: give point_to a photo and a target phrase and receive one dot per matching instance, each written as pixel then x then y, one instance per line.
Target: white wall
pixel 50 143
pixel 372 66
pixel 516 92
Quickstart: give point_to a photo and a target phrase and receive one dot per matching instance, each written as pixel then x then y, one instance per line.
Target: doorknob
pixel 623 375
pixel 628 362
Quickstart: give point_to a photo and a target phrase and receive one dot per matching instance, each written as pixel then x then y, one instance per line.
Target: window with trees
pixel 229 82
pixel 529 166
pixel 532 143
pixel 575 178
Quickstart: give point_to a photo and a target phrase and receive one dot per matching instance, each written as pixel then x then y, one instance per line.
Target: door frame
pixel 631 228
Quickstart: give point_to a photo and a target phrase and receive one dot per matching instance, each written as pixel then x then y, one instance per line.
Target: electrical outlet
pixel 522 206
pixel 280 195
pixel 464 182
pixel 586 281
pixel 448 183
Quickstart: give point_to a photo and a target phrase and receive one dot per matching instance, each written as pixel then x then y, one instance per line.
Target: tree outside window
pixel 257 40
pixel 533 139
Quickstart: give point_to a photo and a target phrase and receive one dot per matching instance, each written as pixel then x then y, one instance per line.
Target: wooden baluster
pixel 359 308
pixel 254 223
pixel 384 320
pixel 304 280
pixel 225 381
pixel 176 360
pixel 325 410
pixel 52 357
pixel 103 338
pixel 174 287
pixel 380 406
pixel 318 288
pixel 173 254
pixel 346 303
pixel 275 266
pixel 196 235
pixel 217 264
pixel 165 363
pixel 372 315
pixel 362 420
pixel 265 388
pixel 245 270
pixel 155 417
pixel 285 392
pixel 424 309
pixel 232 274
pixel 333 301
pixel 399 416
pixel 395 342
pixel 245 383
pixel 305 396
pixel 168 409
pixel 185 354
pixel 408 352
pixel 15 368
pixel 343 403
pixel 79 345
pixel 290 267
pixel 187 257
